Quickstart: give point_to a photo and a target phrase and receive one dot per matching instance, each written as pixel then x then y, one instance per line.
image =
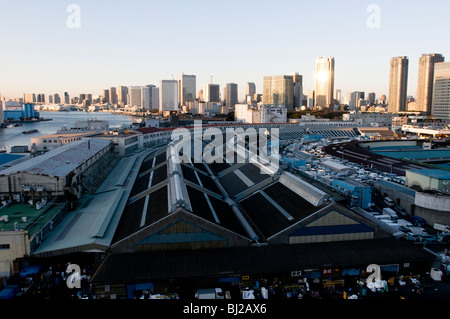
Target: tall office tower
pixel 106 95
pixel 355 100
pixel 231 97
pixel 425 80
pixel 279 90
pixel 187 87
pixel 155 98
pixel 29 98
pixel 168 95
pixel 324 82
pixel 56 98
pixel 122 95
pixel 211 93
pixel 298 89
pixel 338 95
pixel 2 115
pixel 135 96
pixel 250 90
pixel 113 95
pixel 398 83
pixel 146 97
pixel 371 98
pixel 66 98
pixel 441 98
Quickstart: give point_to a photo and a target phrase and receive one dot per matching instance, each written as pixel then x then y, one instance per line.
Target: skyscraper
pixel 250 90
pixel 425 81
pixel 324 82
pixel 398 81
pixel 122 95
pixel 113 95
pixel 187 88
pixel 146 98
pixel 211 92
pixel 298 89
pixel 66 98
pixel 135 96
pixel 441 97
pixel 168 95
pixel 231 97
pixel 279 90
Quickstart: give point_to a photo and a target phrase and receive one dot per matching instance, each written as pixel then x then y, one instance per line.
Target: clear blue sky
pixel 142 42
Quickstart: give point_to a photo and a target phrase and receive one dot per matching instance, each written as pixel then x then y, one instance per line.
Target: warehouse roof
pixel 60 161
pixel 431 172
pixel 255 260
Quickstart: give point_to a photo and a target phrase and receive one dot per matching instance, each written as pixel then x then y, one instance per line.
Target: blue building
pixel 15 114
pixel 360 195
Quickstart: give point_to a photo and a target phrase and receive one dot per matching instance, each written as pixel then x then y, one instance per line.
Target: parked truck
pixel 209 293
pixel 390 212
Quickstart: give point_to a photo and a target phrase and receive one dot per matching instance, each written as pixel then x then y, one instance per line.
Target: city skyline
pixel 44 55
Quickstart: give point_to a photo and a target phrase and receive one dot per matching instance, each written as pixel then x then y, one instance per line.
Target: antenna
pixel 211 79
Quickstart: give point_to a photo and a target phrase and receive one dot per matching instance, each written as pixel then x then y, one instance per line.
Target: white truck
pixel 390 212
pixel 209 293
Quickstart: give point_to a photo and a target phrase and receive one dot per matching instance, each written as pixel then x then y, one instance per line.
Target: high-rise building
pixel 371 97
pixel 187 87
pixel 66 98
pixel 398 82
pixel 56 98
pixel 250 90
pixel 298 89
pixel 168 95
pixel 122 95
pixel 441 97
pixel 324 82
pixel 113 95
pixel 425 80
pixel 231 96
pixel 155 98
pixel 211 92
pixel 106 95
pixel 135 96
pixel 146 97
pixel 279 90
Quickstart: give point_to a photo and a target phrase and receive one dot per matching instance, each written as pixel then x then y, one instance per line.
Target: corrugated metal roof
pixel 60 161
pixel 433 173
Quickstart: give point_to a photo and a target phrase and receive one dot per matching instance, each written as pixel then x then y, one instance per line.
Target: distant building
pixel 425 81
pixel 122 95
pixel 113 95
pixel 262 113
pixel 187 88
pixel 324 82
pixel 250 91
pixel 135 96
pixel 298 90
pixel 168 95
pixel 279 90
pixel 211 93
pixel 398 83
pixel 441 96
pixel 231 97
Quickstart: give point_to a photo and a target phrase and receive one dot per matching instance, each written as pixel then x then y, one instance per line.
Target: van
pixel 388 201
pixel 210 293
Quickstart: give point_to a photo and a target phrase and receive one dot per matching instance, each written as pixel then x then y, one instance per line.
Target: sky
pixel 142 42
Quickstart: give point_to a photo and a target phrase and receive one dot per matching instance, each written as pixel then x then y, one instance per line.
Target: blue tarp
pixel 229 279
pixel 350 272
pixel 9 292
pixel 312 274
pixel 30 270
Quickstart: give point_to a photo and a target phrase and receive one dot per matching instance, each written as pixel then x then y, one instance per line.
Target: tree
pixel 230 116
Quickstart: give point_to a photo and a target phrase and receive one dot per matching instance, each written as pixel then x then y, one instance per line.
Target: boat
pixel 30 132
